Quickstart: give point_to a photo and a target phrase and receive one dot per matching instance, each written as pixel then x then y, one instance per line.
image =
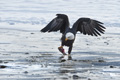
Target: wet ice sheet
pixel 37 12
pixel 29 55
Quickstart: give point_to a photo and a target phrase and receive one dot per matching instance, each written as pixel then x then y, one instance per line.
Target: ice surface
pixel 39 12
pixel 31 55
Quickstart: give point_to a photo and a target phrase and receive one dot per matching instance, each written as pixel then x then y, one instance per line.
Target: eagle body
pixel 86 26
pixel 68 42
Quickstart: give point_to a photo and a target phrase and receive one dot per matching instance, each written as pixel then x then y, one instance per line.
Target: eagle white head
pixel 69 36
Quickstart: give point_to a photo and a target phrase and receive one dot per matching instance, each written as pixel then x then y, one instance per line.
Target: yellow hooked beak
pixel 66 39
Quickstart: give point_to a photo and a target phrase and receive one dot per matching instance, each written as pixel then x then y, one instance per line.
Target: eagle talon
pixel 61 49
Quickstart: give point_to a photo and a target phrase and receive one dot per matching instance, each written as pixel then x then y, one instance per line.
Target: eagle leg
pixel 69 50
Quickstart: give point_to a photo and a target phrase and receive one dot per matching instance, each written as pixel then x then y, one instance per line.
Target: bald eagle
pixel 86 26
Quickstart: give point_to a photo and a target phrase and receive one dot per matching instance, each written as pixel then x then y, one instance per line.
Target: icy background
pixel 27 54
pixel 40 12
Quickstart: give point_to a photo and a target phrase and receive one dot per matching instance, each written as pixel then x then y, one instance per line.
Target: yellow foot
pixel 69 54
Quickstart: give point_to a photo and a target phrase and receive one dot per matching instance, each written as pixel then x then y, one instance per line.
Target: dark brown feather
pixel 89 26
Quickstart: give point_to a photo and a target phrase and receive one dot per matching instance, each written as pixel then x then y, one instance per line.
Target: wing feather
pixel 61 23
pixel 89 26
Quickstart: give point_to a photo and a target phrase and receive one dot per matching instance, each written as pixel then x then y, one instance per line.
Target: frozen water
pixel 40 12
pixel 27 54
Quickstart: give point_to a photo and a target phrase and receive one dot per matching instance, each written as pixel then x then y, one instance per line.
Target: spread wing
pixel 59 23
pixel 89 26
